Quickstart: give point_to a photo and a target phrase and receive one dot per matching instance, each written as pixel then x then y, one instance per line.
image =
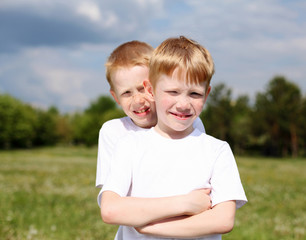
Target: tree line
pixel 273 125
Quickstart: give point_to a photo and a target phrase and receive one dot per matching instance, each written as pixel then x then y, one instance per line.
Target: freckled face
pixel 129 93
pixel 178 104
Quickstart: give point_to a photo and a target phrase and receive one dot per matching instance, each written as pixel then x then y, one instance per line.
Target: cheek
pixel 124 103
pixel 198 106
pixel 164 101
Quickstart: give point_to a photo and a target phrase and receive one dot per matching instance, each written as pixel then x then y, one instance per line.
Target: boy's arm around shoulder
pixel 218 220
pixel 133 211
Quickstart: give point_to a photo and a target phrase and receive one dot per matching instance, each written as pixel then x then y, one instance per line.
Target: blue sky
pixel 52 52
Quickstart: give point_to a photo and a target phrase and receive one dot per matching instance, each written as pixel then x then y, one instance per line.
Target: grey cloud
pixel 61 25
pixel 21 29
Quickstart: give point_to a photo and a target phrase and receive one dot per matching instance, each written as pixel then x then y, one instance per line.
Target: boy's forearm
pixel 218 220
pixel 135 212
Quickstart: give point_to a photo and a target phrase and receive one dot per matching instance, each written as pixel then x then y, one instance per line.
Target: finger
pixel 207 190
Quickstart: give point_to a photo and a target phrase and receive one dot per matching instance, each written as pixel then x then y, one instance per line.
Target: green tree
pixel 64 129
pixel 218 112
pixel 228 119
pixel 86 126
pixel 85 130
pixel 101 105
pixel 302 128
pixel 275 119
pixel 45 127
pixel 240 128
pixel 16 123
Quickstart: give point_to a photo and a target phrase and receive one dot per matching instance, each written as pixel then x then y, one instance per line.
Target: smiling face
pixel 178 104
pixel 129 93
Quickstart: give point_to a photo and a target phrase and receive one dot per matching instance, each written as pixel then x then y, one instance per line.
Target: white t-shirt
pixel 146 164
pixel 109 134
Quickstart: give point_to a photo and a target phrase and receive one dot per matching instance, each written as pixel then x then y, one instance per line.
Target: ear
pixel 148 89
pixel 207 93
pixel 114 96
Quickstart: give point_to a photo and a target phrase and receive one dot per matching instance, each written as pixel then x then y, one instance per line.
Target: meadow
pixel 49 193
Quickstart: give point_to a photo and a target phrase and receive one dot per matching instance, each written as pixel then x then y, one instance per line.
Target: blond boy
pixel 178 158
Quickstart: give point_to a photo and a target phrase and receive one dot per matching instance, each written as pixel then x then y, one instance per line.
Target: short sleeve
pixel 120 177
pixel 225 181
pixel 106 144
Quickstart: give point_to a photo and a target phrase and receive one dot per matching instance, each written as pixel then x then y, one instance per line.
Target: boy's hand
pixel 198 201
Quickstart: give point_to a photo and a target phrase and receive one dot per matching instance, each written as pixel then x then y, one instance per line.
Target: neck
pixel 173 134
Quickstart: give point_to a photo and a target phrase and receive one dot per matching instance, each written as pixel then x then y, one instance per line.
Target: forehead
pixel 129 77
pixel 175 82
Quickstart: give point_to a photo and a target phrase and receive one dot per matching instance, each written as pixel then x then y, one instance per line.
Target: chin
pixel 182 128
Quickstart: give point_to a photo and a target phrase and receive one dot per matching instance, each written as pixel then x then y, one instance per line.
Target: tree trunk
pixel 294 140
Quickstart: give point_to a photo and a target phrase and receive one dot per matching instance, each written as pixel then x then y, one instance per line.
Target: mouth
pixel 181 116
pixel 142 111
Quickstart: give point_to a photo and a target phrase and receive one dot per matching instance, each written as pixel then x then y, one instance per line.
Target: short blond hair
pixel 185 55
pixel 129 54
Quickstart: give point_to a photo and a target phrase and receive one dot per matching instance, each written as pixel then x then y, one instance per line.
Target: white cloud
pixel 44 77
pixel 66 81
pixel 144 4
pixel 89 10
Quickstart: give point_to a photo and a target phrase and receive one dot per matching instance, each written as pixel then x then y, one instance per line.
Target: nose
pixel 183 104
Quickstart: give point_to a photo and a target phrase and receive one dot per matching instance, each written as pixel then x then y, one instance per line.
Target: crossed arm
pixel 135 212
pixel 183 216
pixel 218 220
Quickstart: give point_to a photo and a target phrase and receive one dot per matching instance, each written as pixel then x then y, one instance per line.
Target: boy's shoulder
pixel 115 129
pixel 132 140
pixel 209 141
pixel 118 124
pixel 213 139
pixel 115 122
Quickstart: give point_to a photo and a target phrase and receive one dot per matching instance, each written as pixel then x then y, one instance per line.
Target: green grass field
pixel 49 193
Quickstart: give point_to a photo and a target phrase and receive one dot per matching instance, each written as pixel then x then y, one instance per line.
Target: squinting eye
pixel 195 94
pixel 125 94
pixel 172 92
